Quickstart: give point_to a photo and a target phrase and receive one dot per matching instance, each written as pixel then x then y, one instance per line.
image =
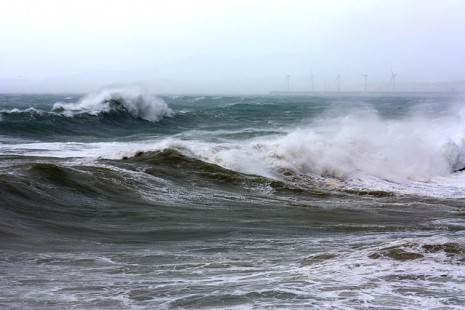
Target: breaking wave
pixel 415 154
pixel 138 102
pixel 358 142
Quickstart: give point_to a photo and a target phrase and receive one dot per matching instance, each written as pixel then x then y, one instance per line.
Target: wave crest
pixel 138 102
pixel 357 145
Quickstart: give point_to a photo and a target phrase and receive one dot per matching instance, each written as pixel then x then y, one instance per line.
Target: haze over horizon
pixel 231 46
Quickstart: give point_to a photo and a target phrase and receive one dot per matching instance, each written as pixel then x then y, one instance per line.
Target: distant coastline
pixel 436 94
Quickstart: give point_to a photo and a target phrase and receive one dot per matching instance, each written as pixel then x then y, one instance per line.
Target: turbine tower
pixel 365 76
pixel 287 82
pixel 311 78
pixel 393 81
pixel 338 80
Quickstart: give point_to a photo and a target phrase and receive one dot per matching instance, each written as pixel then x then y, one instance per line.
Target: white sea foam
pixel 395 149
pixel 18 111
pixel 383 281
pixel 137 101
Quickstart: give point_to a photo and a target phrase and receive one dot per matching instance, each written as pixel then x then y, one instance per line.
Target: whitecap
pixel 138 102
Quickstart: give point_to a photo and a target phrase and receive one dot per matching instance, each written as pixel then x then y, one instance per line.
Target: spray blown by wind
pixel 361 141
pixel 356 143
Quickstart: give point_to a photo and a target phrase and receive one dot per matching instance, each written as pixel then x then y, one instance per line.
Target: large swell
pixel 110 112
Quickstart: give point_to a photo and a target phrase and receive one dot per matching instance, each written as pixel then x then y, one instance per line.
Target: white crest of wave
pixel 18 111
pixel 358 143
pixel 416 147
pixel 137 101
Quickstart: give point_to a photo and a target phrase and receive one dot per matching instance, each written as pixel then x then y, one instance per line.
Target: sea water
pixel 122 199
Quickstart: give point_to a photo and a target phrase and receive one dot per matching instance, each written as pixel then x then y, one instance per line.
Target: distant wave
pixel 108 113
pixel 19 111
pixel 138 102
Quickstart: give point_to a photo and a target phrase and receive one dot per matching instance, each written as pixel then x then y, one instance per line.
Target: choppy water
pixel 120 199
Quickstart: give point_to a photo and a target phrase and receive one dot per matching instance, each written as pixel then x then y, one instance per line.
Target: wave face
pixel 119 199
pixel 110 112
pixel 139 103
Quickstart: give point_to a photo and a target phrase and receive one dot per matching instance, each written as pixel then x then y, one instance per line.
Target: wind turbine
pixel 311 78
pixel 393 81
pixel 338 79
pixel 287 82
pixel 365 76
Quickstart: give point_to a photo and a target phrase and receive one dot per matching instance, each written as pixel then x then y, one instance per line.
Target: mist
pixel 232 46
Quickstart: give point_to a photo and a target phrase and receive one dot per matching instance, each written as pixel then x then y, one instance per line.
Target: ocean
pixel 122 199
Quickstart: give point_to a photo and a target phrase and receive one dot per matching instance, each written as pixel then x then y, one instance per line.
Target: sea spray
pixel 359 142
pixel 138 102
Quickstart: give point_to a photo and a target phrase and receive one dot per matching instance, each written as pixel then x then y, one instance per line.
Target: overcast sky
pixel 420 40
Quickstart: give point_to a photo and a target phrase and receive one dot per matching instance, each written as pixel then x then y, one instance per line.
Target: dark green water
pixel 122 200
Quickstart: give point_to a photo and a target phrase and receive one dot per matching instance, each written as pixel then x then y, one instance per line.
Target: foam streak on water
pixel 234 273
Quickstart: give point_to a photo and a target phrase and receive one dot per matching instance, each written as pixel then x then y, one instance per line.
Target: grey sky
pixel 179 42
